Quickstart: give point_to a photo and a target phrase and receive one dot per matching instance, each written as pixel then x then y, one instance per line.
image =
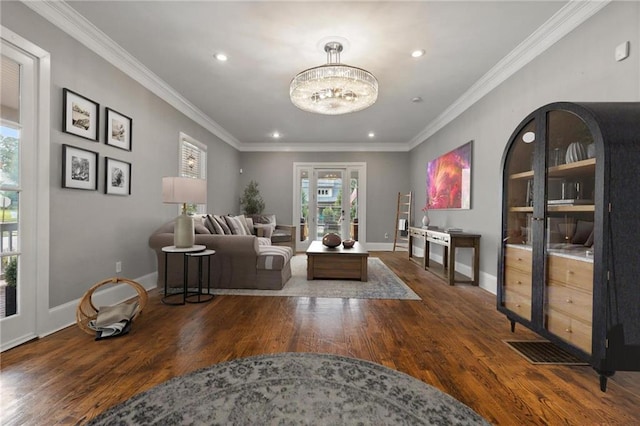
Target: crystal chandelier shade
pixel 334 88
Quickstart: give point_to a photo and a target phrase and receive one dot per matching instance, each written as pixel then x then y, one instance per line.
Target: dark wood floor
pixel 451 339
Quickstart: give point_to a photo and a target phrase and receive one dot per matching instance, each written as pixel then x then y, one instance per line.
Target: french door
pixel 24 157
pixel 329 197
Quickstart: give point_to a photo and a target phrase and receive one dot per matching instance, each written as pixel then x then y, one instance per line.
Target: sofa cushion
pixel 252 229
pixel 245 225
pixel 264 241
pixel 210 224
pixel 198 225
pixel 263 230
pixel 273 257
pixel 235 225
pixel 223 224
pixel 264 218
pixel 280 236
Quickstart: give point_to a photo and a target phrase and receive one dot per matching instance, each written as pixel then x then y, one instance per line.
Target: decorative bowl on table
pixel 331 240
pixel 348 243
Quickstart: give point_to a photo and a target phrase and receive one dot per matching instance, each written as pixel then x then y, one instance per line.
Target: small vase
pixel 425 221
pixel 575 152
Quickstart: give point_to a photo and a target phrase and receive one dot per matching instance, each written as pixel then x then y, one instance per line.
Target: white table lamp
pixel 184 190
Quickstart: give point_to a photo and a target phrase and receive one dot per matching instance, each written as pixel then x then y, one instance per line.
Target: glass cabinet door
pixel 518 235
pixel 569 220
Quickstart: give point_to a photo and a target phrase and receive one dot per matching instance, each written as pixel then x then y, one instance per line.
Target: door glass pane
pixel 9 184
pixel 10 90
pixel 569 229
pixel 329 204
pixel 518 238
pixel 353 204
pixel 304 205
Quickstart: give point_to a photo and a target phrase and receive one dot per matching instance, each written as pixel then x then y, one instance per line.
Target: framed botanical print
pixel 117 177
pixel 118 129
pixel 79 168
pixel 80 115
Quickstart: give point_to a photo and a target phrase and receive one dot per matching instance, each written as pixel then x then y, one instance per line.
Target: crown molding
pixel 63 16
pixel 323 147
pixel 559 25
pixel 574 13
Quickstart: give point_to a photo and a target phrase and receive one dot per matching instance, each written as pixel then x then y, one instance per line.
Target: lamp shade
pixel 179 190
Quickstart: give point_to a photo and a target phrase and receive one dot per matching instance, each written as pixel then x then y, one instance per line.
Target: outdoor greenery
pixel 251 201
pixel 304 200
pixel 9 174
pixel 9 160
pixel 11 272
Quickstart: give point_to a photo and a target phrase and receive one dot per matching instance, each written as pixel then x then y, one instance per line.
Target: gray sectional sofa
pixel 241 261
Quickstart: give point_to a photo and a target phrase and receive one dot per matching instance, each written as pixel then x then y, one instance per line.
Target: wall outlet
pixel 118 266
pixel 386 235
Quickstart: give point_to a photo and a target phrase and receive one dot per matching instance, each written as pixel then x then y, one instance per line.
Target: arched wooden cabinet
pixel 569 264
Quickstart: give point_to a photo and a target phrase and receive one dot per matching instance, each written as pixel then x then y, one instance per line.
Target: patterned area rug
pixel 382 284
pixel 293 389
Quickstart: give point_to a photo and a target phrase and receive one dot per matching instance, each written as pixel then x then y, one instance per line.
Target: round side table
pixel 200 296
pixel 184 251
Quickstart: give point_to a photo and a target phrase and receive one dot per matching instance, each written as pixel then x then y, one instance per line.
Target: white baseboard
pixel 379 246
pixel 65 315
pixel 486 281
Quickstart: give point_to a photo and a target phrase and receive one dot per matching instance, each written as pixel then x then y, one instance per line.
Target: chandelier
pixel 333 89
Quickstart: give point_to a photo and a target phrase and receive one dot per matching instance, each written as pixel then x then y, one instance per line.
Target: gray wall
pixel 386 176
pixel 90 231
pixel 580 67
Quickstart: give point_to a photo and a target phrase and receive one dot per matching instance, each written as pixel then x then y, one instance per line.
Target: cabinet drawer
pixel 519 259
pixel 518 281
pixel 573 302
pixel 570 330
pixel 417 233
pixel 517 303
pixel 572 272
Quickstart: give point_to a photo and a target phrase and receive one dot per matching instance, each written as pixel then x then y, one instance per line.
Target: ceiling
pixel 469 48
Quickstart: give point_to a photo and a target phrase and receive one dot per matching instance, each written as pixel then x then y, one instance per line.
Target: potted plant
pixel 251 201
pixel 11 278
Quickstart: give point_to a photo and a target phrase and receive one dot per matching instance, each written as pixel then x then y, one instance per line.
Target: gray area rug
pixel 382 284
pixel 292 389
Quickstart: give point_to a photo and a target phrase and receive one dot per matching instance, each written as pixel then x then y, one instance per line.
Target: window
pixel 324 192
pixel 193 163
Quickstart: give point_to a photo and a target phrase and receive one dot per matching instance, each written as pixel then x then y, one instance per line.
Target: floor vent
pixel 543 352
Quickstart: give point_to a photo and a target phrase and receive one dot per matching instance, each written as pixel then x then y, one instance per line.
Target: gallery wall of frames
pixel 80 166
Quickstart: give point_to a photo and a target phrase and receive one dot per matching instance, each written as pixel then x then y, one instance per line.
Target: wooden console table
pixel 450 241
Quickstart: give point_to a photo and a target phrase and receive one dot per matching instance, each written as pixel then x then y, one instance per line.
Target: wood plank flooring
pixel 451 339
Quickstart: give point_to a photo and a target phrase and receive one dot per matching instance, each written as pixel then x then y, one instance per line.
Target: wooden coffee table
pixel 337 263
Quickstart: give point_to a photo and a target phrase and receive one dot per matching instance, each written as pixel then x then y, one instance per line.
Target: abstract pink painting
pixel 449 180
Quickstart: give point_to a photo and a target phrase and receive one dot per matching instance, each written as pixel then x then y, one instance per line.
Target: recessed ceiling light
pixel 416 100
pixel 275 135
pixel 372 135
pixel 221 57
pixel 417 53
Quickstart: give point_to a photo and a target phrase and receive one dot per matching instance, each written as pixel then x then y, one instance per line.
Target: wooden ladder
pixel 403 221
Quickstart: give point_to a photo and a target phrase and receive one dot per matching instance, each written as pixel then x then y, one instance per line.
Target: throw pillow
pixel 262 218
pixel 235 225
pixel 223 224
pixel 198 226
pixel 243 222
pixel 252 230
pixel 208 223
pixel 263 230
